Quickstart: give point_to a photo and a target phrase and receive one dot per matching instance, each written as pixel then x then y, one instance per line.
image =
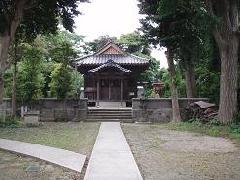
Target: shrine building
pixel 111 75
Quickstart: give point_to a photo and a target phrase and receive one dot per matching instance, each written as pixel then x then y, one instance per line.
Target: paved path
pixel 61 157
pixel 111 157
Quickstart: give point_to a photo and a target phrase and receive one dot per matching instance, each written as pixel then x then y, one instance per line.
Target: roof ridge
pixel 139 57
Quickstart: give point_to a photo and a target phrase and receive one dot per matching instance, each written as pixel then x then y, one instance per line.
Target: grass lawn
pixel 231 132
pixel 165 151
pixel 74 136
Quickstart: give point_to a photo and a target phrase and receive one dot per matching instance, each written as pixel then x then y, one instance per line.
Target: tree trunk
pixel 4 46
pixel 7 37
pixel 1 88
pixel 14 97
pixel 229 81
pixel 176 116
pixel 190 81
pixel 227 39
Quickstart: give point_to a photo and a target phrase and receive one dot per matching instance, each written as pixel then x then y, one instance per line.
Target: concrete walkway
pixel 61 157
pixel 111 157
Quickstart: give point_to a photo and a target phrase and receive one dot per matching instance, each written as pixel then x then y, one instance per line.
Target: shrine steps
pixel 110 115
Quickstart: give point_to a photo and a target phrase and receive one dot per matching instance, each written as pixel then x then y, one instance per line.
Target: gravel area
pixel 165 154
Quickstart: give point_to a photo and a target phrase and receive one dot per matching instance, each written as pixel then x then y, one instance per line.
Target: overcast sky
pixel 113 18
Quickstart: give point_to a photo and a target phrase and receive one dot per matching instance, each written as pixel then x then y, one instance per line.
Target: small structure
pixel 111 74
pixel 32 118
pixel 157 88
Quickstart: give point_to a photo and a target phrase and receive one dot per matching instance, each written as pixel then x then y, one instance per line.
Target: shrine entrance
pixel 110 89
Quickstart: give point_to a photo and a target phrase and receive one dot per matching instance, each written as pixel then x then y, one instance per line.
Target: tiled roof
pixel 108 64
pixel 123 59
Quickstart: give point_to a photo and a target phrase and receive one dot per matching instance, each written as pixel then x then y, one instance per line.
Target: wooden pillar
pixel 97 92
pixel 109 89
pixel 121 92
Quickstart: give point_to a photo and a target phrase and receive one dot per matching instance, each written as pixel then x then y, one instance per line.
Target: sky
pixel 113 18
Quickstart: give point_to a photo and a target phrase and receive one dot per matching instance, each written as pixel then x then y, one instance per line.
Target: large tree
pixel 159 29
pixel 34 17
pixel 226 34
pixel 134 43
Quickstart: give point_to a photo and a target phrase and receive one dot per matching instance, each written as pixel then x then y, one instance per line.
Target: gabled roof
pixel 111 64
pixel 110 48
pixel 112 52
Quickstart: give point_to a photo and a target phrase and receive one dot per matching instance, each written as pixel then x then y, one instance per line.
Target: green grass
pixel 78 137
pixel 232 131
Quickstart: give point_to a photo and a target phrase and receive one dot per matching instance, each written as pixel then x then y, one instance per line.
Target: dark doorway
pixel 110 89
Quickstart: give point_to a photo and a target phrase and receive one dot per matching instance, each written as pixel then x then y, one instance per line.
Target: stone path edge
pixel 137 163
pixel 37 158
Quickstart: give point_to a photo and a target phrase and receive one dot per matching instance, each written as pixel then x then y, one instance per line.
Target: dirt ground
pixel 78 137
pixel 173 155
pixel 14 167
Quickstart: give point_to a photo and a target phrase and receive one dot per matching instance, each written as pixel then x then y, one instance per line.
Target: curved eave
pixel 110 64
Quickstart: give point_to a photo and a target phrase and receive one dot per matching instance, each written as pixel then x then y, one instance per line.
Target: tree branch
pixel 233 14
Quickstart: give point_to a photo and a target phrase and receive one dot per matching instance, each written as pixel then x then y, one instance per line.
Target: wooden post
pixel 109 89
pixel 97 92
pixel 121 92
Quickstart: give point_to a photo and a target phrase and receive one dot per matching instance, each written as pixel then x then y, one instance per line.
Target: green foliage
pixel 77 83
pixel 8 82
pixel 96 44
pixel 214 121
pixel 47 68
pixel 186 28
pixel 232 131
pixel 151 75
pixel 9 121
pixel 61 80
pixel 40 16
pixel 134 43
pixel 164 77
pixel 62 47
pixel 30 79
pixel 208 73
pixel 37 62
pixel 77 42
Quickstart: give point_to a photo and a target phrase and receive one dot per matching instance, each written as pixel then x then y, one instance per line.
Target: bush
pixel 214 121
pixel 9 121
pixel 61 81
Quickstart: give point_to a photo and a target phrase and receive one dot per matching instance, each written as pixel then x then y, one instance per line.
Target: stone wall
pixel 158 110
pixel 6 106
pixel 52 109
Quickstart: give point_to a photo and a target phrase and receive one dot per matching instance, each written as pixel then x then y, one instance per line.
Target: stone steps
pixel 110 120
pixel 109 117
pixel 110 114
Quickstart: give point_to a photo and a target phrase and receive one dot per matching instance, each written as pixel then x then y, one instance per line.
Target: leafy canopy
pixel 39 16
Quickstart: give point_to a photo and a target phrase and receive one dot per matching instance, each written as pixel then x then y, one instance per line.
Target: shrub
pixel 61 81
pixel 9 121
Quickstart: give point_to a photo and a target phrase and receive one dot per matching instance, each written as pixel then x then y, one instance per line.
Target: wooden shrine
pixel 111 74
